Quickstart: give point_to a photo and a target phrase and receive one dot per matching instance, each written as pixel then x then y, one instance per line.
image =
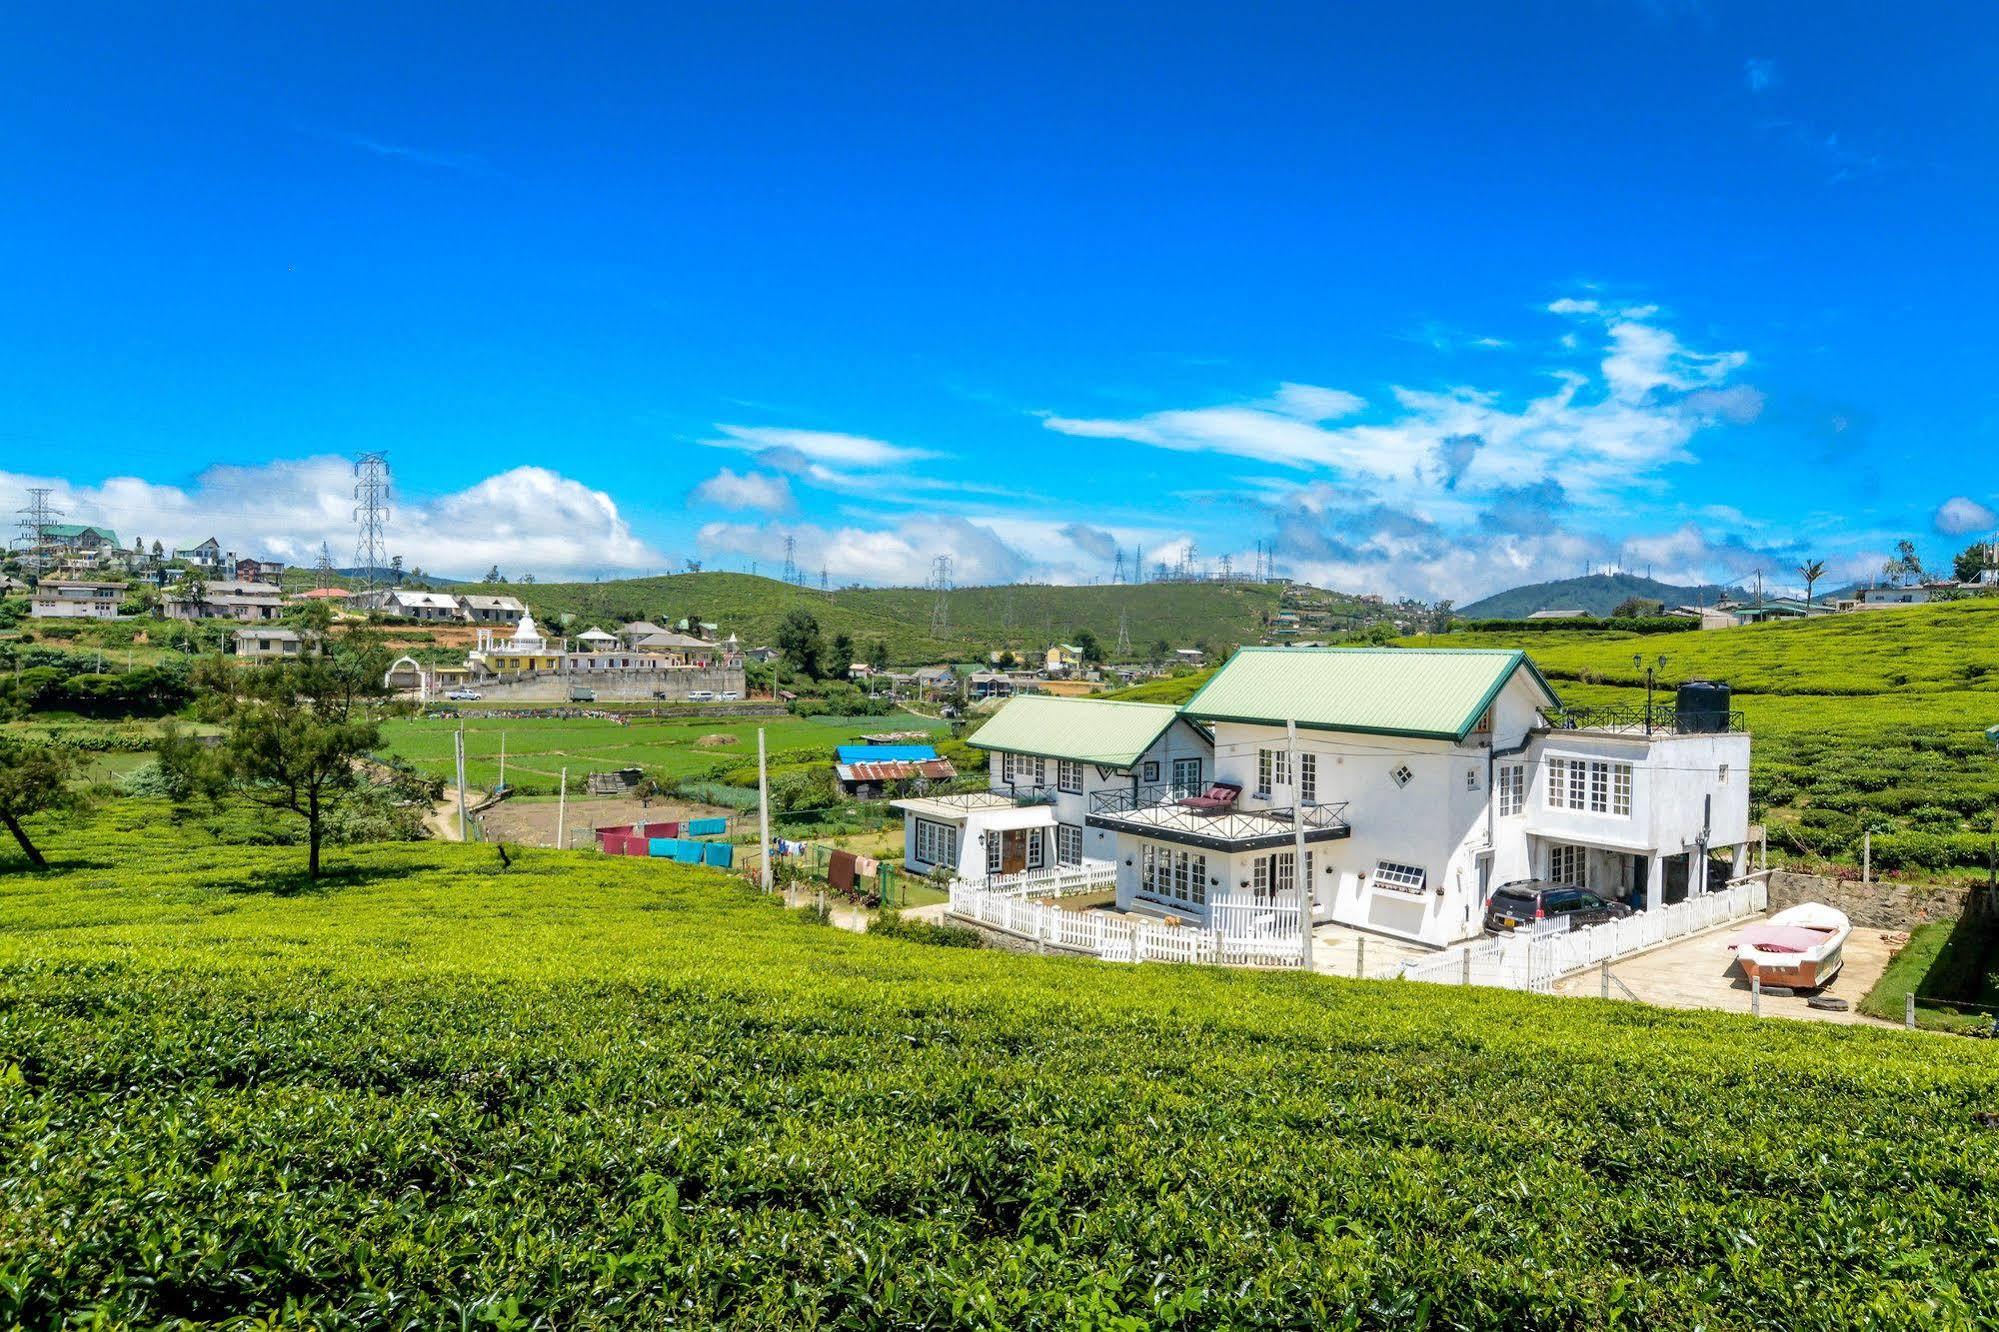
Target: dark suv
pixel 1513 905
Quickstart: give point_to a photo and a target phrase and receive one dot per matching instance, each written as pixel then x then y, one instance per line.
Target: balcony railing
pixel 1157 811
pixel 1659 719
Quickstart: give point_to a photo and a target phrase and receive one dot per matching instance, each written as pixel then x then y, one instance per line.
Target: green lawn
pixel 588 1092
pixel 539 748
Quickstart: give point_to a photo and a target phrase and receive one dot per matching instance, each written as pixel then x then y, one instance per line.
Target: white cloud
pixel 750 490
pixel 526 519
pixel 897 555
pixel 820 446
pixel 1960 514
pixel 1759 74
pixel 1309 402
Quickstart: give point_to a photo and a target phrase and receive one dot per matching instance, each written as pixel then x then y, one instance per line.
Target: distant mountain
pixel 1599 594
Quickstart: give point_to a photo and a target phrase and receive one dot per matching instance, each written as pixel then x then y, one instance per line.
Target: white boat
pixel 1798 947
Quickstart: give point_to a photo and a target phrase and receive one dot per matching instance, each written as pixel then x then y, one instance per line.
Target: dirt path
pixel 443 817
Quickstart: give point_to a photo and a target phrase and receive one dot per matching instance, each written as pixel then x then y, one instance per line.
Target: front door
pixel 1013 851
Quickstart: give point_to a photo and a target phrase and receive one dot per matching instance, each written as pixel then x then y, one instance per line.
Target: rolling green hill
pixel 1599 594
pixel 1023 618
pixel 592 1093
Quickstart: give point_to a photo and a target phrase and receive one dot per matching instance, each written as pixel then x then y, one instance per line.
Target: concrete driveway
pixel 1699 972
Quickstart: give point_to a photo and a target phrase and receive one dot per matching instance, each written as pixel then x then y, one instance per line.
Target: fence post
pixel 1605 977
pixel 1360 958
pixel 1756 996
pixel 1464 972
pixel 1909 1010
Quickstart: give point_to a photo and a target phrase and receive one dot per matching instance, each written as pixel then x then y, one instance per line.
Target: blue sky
pixel 1439 298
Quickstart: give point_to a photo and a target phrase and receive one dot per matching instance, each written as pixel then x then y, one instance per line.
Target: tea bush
pixel 588 1092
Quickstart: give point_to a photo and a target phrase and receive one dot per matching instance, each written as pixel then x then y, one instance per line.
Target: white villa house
pixel 1051 758
pixel 1423 779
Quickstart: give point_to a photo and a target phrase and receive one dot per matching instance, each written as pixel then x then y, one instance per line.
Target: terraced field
pixel 585 1093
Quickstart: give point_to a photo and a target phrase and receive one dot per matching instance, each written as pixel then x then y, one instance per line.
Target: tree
pixel 1905 566
pixel 1637 608
pixel 293 734
pixel 843 656
pixel 799 642
pixel 493 575
pixel 396 568
pixel 1088 648
pixel 1969 564
pixel 1007 661
pixel 878 656
pixel 33 778
pixel 192 592
pixel 1161 649
pixel 1811 571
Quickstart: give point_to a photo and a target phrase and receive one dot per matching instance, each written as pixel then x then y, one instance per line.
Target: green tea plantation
pixel 586 1093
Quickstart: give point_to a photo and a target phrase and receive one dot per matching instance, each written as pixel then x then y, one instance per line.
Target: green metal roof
pixel 1091 730
pixel 1435 693
pixel 71 531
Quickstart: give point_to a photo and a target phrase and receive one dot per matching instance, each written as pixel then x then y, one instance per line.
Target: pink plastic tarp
pixel 1779 939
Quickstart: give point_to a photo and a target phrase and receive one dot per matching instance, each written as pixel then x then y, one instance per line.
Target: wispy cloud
pixel 471 164
pixel 749 490
pixel 1759 74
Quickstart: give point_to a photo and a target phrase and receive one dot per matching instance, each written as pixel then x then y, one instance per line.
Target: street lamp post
pixel 1638 660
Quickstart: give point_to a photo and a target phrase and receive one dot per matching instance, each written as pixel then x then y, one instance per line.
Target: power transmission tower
pixel 1123 633
pixel 1117 569
pixel 371 515
pixel 322 572
pixel 825 583
pixel 1138 564
pixel 940 611
pixel 35 522
pixel 791 559
pixel 1228 568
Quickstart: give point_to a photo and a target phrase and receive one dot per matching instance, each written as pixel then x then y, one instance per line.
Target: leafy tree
pixel 843 656
pixel 493 575
pixel 1161 649
pixel 799 641
pixel 33 778
pixel 396 567
pixel 1007 661
pixel 294 734
pixel 1088 648
pixel 1637 608
pixel 191 591
pixel 878 656
pixel 1968 564
pixel 1905 566
pixel 1811 571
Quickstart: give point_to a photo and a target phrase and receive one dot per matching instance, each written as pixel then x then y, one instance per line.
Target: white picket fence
pixel 1054 881
pixel 1535 962
pixel 1242 935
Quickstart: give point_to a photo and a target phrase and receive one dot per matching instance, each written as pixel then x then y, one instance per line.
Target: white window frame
pixel 936 843
pixel 1069 776
pixel 1273 769
pixel 1007 768
pixel 1308 778
pixel 1568 865
pixel 1151 771
pixel 1037 848
pixel 1620 790
pixel 994 851
pixel 1397 876
pixel 1068 844
pixel 1511 794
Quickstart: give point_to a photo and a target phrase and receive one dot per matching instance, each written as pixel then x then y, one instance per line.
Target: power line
pixel 371 515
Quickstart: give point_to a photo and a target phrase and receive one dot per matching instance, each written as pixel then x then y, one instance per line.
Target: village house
pixel 1422 779
pixel 412 604
pixel 220 599
pixel 867 771
pixel 1051 760
pixel 67 597
pixel 263 644
pixel 259 571
pixel 479 608
pixel 205 556
pixel 78 544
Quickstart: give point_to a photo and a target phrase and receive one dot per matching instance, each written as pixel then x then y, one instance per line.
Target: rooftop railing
pixel 1159 810
pixel 1659 719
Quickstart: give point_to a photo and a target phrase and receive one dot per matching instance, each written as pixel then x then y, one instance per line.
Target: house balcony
pixel 1638 719
pixel 1159 812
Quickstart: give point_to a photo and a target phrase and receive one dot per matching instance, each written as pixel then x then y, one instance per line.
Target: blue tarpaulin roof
pixel 887 753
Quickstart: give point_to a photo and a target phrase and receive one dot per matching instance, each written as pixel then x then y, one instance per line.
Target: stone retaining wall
pixel 1889 905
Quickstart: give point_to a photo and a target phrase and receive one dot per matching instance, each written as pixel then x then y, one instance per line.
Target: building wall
pixel 1179 741
pixel 612 686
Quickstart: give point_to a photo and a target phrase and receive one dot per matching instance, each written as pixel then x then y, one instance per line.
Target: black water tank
pixel 1701 707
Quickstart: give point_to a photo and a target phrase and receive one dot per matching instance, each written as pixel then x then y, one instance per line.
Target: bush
pixel 892 924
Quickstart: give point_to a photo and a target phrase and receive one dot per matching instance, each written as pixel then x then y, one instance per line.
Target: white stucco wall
pixel 1179 741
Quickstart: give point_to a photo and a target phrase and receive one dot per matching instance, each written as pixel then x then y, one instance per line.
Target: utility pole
pixel 35 522
pixel 561 810
pixel 503 761
pixel 940 610
pixel 458 749
pixel 371 515
pixel 763 812
pixel 1299 878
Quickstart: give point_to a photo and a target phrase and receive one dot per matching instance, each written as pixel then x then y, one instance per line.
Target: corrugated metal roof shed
pixel 1091 730
pixel 885 753
pixel 1436 693
pixel 934 769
